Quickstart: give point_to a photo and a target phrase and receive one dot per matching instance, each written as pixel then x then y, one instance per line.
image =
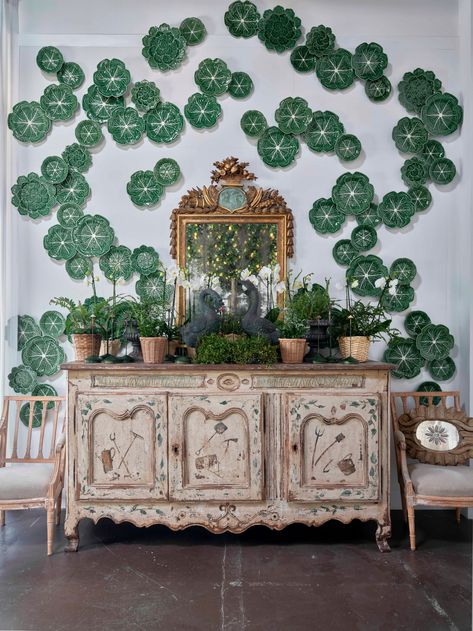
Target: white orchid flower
pixel 392 291
pixel 380 283
pixel 265 273
pixel 280 287
pixel 298 284
pixel 185 284
pixel 97 278
pixel 245 274
pixel 354 284
pixel 172 273
pixel 394 282
pixel 276 270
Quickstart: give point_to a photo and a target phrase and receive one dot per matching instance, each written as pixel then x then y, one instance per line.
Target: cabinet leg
pixel 71 533
pixel 383 533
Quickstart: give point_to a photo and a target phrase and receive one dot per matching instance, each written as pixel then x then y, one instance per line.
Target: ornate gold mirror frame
pixel 230 201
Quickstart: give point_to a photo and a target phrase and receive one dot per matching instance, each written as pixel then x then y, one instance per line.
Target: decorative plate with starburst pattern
pixel 415 322
pixel 325 216
pixel 353 193
pixel 116 263
pixel 410 135
pixel 344 253
pixel 435 341
pixel 59 243
pixel 112 77
pixel 43 355
pixel 253 123
pixel 202 111
pixel 241 85
pixel 74 189
pixel 242 18
pixel 364 238
pixel 167 171
pixel 29 122
pixel 33 195
pixel 369 61
pixel 49 59
pixel 303 60
pixel 27 328
pixel 54 169
pixel 396 209
pixel 145 260
pixel 405 355
pixel 193 31
pixel 71 74
pixel 52 323
pixel 88 133
pixel 441 114
pixel 22 379
pixel 335 71
pixel 59 102
pixel 366 270
pixel 126 126
pixel 293 115
pixel 164 123
pixel 98 107
pixel 277 149
pixel 378 90
pixel 79 267
pixel 93 235
pixel 213 76
pixel 323 131
pixel 144 188
pixel 347 147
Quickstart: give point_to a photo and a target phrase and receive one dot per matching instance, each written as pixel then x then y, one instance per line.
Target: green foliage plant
pixel 149 317
pixel 84 317
pixel 217 349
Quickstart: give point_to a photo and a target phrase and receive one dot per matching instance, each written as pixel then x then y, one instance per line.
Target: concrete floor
pixel 301 579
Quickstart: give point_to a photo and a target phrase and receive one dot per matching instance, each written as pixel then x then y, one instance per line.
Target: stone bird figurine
pixel 252 323
pixel 205 320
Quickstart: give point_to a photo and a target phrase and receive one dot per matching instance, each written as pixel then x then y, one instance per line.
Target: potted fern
pixel 152 329
pixel 83 324
pixel 292 337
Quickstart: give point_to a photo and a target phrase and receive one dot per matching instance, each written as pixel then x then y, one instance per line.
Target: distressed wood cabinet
pixel 228 447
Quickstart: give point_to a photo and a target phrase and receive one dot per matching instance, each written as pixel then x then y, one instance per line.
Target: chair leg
pixel 2 518
pixel 412 525
pixel 58 509
pixel 51 523
pixel 458 515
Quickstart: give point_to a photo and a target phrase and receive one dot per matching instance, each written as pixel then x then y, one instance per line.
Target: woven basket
pixel 292 351
pixel 360 347
pixel 153 349
pixel 85 345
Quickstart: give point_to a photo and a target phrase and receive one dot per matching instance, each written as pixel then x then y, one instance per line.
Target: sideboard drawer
pixel 122 446
pixel 216 447
pixel 333 447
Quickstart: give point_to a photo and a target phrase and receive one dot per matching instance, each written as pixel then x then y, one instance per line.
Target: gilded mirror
pixel 228 227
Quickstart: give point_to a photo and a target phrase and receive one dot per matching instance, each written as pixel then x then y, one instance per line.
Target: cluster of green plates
pixel 146 188
pixel 165 46
pixel 279 146
pixel 429 345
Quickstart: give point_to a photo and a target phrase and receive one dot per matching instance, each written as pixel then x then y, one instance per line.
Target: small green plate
pixel 213 76
pixel 396 209
pixel 49 59
pixel 441 114
pixel 52 323
pixel 77 157
pixel 59 102
pixel 369 61
pixel 435 341
pixel 404 354
pixel 74 189
pixel 241 85
pixel 164 123
pixel 416 87
pixel 27 328
pixel 347 147
pixel 145 260
pixel 253 123
pixel 293 115
pixel 202 110
pixel 323 131
pixel 335 70
pixel 369 217
pixel 429 386
pixel 43 355
pixel 366 270
pixel 242 19
pixel 363 238
pixel 421 197
pixel 344 253
pixel 431 151
pixel 79 267
pixel 353 193
pixel 112 77
pixel 167 171
pixel 415 322
pixel 54 169
pixel 22 379
pixel 145 95
pixel 414 172
pixel 410 135
pixel 442 369
pixel 59 244
pixel 126 126
pixel 378 90
pixel 404 270
pixel 71 74
pixel 442 171
pixel 69 214
pixel 29 122
pixel 88 133
pixel 325 216
pixel 93 235
pixel 144 188
pixel 164 47
pixel 277 149
pixel 279 29
pixel 99 108
pixel 399 300
pixel 193 31
pixel 116 263
pixel 303 60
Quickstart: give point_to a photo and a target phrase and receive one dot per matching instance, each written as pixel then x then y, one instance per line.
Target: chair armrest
pixel 400 439
pixel 402 455
pixel 61 443
pixel 3 435
pixel 57 478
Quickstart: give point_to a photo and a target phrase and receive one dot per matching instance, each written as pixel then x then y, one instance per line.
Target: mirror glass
pixel 437 435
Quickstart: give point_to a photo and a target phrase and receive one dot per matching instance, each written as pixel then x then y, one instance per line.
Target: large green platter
pixel 396 209
pixel 335 71
pixel 79 267
pixel 421 197
pixel 27 328
pixel 59 243
pixel 279 29
pixel 293 115
pixel 434 341
pixel 369 61
pixel 77 157
pixel 98 107
pixel 33 195
pixel 241 85
pixel 416 87
pixel 364 238
pixel 74 189
pixel 144 188
pixel 399 300
pixel 323 131
pixel 442 171
pixel 54 169
pixel 325 216
pixel 167 171
pixel 277 149
pixel 145 260
pixel 202 111
pixel 404 270
pixel 164 123
pixel 303 60
pixel 414 171
pixel 71 74
pixel 213 76
pixel 193 31
pixel 378 90
pixel 93 235
pixel 59 102
pixel 442 369
pixel 49 59
pixel 441 114
pixel 164 47
pixel 353 193
pixel 347 147
pixel 366 270
pixel 126 126
pixel 415 322
pixel 116 264
pixel 253 123
pixel 29 122
pixel 145 95
pixel 88 133
pixel 410 135
pixel 112 77
pixel 242 18
pixel 405 355
pixel 43 355
pixel 52 323
pixel 22 379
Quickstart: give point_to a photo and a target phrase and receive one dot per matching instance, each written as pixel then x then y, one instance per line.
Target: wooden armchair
pixel 432 428
pixel 36 478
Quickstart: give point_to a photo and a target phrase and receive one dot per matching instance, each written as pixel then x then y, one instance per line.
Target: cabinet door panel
pixel 122 446
pixel 333 447
pixel 215 447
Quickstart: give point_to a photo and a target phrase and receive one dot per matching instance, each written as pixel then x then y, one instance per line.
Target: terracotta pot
pixel 153 349
pixel 292 350
pixel 359 348
pixel 113 347
pixel 85 345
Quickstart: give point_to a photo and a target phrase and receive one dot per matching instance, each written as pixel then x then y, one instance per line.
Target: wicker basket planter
pixel 292 350
pixel 360 347
pixel 153 349
pixel 86 344
pixel 113 347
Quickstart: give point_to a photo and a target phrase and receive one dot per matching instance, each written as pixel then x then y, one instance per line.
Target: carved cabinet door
pixel 122 446
pixel 215 447
pixel 333 447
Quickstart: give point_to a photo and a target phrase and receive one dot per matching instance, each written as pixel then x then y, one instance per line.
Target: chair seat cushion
pixel 21 481
pixel 438 481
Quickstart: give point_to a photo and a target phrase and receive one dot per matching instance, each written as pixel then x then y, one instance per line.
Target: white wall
pixel 425 34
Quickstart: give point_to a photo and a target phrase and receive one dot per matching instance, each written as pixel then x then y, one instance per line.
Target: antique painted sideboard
pixel 228 447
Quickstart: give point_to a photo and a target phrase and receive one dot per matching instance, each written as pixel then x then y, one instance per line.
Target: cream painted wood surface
pixel 228 447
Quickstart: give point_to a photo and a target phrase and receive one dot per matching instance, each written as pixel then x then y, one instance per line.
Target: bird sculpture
pixel 206 319
pixel 252 323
